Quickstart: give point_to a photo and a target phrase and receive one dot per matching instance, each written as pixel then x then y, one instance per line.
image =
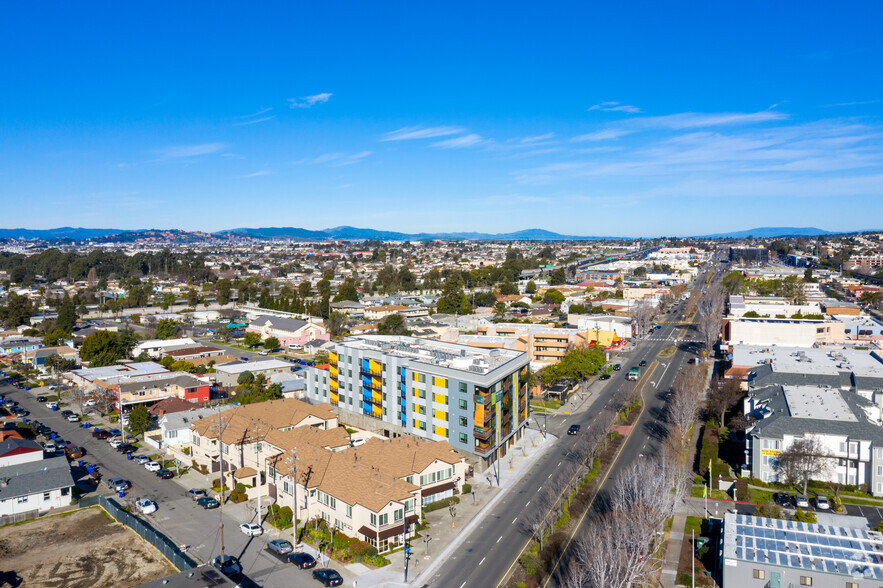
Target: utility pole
pixel 292 470
pixel 221 427
pixel 406 551
pixel 261 430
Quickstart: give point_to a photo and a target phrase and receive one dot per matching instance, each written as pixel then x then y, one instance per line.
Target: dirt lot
pixel 86 548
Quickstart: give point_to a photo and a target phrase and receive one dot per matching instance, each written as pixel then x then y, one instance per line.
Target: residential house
pixel 30 483
pixel 227 375
pixel 156 348
pixel 288 330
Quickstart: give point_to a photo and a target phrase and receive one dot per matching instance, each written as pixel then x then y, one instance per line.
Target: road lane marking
pixel 528 502
pixel 498 540
pixel 482 560
pixel 513 521
pixel 463 584
pixel 559 464
pixel 550 475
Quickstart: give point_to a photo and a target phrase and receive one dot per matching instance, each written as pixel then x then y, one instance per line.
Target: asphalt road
pixel 179 517
pixel 488 556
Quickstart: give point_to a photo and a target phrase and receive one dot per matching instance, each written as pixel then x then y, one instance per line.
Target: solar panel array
pixel 812 547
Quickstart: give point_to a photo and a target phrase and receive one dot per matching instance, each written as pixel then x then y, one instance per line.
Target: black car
pixel 126 448
pixel 304 561
pixel 165 474
pixel 328 577
pixel 642 363
pixel 66 413
pixel 41 399
pixel 605 376
pixel 207 502
pixel 230 567
pixel 617 367
pixel 573 430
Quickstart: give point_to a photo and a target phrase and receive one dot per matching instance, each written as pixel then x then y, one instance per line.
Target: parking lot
pixel 177 515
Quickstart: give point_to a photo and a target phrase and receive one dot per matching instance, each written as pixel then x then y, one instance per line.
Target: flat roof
pixel 845 551
pixel 813 402
pixel 252 366
pixel 811 360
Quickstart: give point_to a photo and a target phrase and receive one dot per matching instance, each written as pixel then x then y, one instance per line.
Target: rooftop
pixel 812 402
pixel 816 361
pixel 851 552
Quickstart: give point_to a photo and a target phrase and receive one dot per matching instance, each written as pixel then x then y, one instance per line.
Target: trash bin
pixel 122 493
pixel 24 419
pixel 54 407
pixel 81 462
pixel 129 455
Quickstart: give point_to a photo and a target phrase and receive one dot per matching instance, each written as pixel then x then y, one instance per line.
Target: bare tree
pixel 805 459
pixel 710 313
pixel 722 396
pixel 105 399
pixel 682 412
pixel 539 518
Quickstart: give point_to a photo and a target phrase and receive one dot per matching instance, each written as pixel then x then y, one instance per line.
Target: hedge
pixel 439 504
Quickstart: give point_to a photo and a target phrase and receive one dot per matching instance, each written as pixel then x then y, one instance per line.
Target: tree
pixel 127 338
pixel 139 420
pixel 577 309
pixel 531 287
pixel 452 299
pixel 251 339
pixel 347 291
pixel 710 311
pixel 722 396
pixel 507 288
pixel 223 287
pixel 224 334
pixel 55 337
pixel 101 348
pixel 271 343
pixel 67 315
pixel 803 460
pixel 192 297
pixel 499 310
pixel 167 301
pixel 553 297
pixel 392 324
pixel 734 282
pixel 558 277
pixel 245 378
pixel 167 328
pixel 640 271
pixel 337 324
pixel 18 311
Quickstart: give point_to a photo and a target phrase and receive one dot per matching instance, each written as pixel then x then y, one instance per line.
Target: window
pixel 349 511
pixel 409 505
pixel 21 500
pixel 463 440
pixel 45 496
pixel 463 404
pixel 853 449
pixel 843 447
pixel 373 520
pixel 397 515
pixel 852 585
pixel 805 581
pixel 383 519
pixel 880 453
pixel 464 422
pixel 418 377
pixel 419 393
pixel 463 387
pixel 440 382
pixel 759 574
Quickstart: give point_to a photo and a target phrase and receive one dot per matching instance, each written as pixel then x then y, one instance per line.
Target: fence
pixel 18 517
pixel 165 545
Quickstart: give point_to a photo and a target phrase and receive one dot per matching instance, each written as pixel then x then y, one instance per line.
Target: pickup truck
pixel 634 374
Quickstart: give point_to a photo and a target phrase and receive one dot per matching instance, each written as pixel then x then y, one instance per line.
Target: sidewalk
pixel 673 551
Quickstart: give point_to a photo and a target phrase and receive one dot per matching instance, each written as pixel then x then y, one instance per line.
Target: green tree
pixel 734 282
pixel 142 357
pixel 347 291
pixel 167 301
pixel 192 297
pixel 245 378
pixel 55 337
pixel 223 288
pixel 251 339
pixel 577 309
pixel 531 287
pixel 559 276
pixel 553 296
pixel 452 299
pixel 273 392
pixel 271 343
pixel 392 324
pixel 507 288
pixel 167 328
pixel 67 315
pixel 101 348
pixel 18 311
pixel 224 334
pixel 500 310
pixel 139 420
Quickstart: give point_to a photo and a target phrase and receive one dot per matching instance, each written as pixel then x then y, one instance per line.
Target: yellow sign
pixel 772 452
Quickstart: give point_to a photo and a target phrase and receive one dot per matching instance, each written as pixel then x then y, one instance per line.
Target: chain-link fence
pixel 165 545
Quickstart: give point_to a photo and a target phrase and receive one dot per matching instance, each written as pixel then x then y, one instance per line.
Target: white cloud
pixel 692 120
pixel 310 101
pixel 615 107
pixel 257 174
pixel 602 135
pixel 409 133
pixel 336 159
pixel 537 139
pixel 254 118
pixel 181 151
pixel 469 140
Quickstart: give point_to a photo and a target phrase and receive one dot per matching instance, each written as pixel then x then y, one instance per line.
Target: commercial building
pixel 150 389
pixel 789 332
pixel 749 254
pixel 156 348
pixel 763 552
pixel 227 374
pixel 476 399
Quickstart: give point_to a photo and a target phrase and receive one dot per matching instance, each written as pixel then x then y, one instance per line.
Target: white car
pixel 90 402
pixel 145 505
pixel 49 405
pixel 72 418
pixel 53 387
pixel 140 459
pixel 116 442
pixel 152 466
pixel 251 529
pixel 822 503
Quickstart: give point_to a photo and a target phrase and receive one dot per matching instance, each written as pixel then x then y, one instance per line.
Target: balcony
pixel 482 432
pixel 483 448
pixel 484 399
pixel 370 373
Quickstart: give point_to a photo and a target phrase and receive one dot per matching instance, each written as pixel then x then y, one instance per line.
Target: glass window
pixel 463 438
pixel 759 574
pixel 463 404
pixel 464 422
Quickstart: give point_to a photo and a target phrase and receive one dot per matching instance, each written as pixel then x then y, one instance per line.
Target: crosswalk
pixel 673 339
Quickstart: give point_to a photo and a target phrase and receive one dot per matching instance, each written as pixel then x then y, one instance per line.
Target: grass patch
pixel 759 496
pixel 545 404
pixel 696 492
pixel 693 524
pixel 668 351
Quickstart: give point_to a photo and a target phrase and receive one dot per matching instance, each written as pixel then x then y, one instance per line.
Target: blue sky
pixel 582 118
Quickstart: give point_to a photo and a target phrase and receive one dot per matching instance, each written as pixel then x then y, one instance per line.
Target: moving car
pixel 72 418
pixel 328 577
pixel 41 399
pixel 280 546
pixel 207 502
pixel 801 501
pixel 573 430
pixel 617 367
pixel 152 466
pixel 304 561
pixel 196 493
pixel 251 529
pixel 165 474
pixel 230 566
pixel 642 363
pixel 822 503
pixel 145 505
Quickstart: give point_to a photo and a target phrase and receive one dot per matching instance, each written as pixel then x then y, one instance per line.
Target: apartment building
pixel 544 344
pixel 476 399
pixel 151 388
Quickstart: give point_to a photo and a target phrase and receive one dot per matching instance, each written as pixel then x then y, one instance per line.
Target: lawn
pixel 759 496
pixel 696 492
pixel 547 404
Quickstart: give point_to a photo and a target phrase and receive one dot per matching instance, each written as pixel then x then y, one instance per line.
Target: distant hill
pixel 355 233
pixel 772 232
pixel 59 233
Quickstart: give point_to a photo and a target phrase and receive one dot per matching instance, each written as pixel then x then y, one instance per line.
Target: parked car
pixel 116 443
pixel 118 484
pixel 605 376
pixel 801 501
pixel 196 493
pixel 100 434
pixel 66 413
pixel 617 367
pixel 782 499
pixel 693 360
pixel 165 474
pixel 251 529
pixel 822 503
pixel 304 561
pixel 207 502
pixel 90 402
pixel 140 459
pixel 41 399
pixel 126 448
pixel 328 577
pixel 59 442
pixel 145 505
pixel 230 565
pixel 50 405
pixel 573 430
pixel 49 446
pixel 115 432
pixel 72 418
pixel 280 546
pixel 74 452
pixel 152 466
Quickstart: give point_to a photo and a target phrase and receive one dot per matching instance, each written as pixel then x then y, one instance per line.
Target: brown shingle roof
pixel 404 456
pixel 192 350
pixel 278 414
